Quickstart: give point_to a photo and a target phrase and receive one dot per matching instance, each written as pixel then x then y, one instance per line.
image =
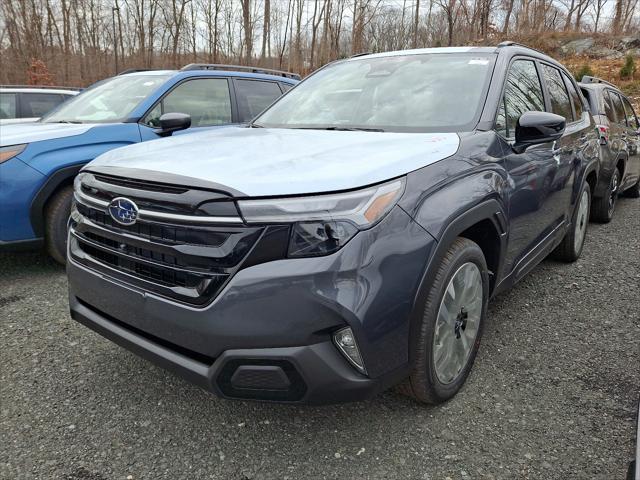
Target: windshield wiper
pixel 66 121
pixel 352 129
pixel 341 129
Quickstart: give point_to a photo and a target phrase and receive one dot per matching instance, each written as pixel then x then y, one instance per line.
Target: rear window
pixel 617 107
pixel 38 104
pixel 8 105
pixel 576 100
pixel 560 103
pixel 254 96
pixel 608 106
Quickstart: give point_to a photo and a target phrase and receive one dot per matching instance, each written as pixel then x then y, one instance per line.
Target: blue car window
pixel 254 96
pixel 207 100
pixel 109 101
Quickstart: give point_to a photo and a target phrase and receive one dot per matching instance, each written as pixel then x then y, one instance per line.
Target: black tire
pixel 569 250
pixel 56 216
pixel 633 192
pixel 603 207
pixel 423 383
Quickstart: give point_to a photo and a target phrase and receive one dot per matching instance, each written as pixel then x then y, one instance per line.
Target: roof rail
pixel 511 43
pixel 50 87
pixel 590 79
pixel 134 70
pixel 240 68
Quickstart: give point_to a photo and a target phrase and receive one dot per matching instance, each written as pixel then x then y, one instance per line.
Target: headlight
pixel 7 153
pixel 324 223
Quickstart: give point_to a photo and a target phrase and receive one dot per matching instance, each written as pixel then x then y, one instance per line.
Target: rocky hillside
pixel 603 55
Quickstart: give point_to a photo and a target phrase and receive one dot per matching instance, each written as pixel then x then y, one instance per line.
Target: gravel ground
pixel 553 393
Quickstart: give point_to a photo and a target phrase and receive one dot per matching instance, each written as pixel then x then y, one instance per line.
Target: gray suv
pixel 619 132
pixel 350 237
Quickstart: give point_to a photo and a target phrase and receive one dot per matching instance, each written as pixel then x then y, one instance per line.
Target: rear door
pixel 206 100
pixel 566 151
pixel 532 174
pixel 253 96
pixel 632 139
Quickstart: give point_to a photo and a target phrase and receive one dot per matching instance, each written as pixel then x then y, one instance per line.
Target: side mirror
pixel 172 122
pixel 534 128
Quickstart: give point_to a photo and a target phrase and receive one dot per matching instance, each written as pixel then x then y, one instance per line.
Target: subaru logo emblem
pixel 123 211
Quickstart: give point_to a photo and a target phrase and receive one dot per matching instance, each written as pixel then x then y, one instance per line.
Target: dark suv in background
pixel 350 237
pixel 619 132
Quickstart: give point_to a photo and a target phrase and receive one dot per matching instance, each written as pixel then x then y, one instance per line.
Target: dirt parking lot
pixel 553 394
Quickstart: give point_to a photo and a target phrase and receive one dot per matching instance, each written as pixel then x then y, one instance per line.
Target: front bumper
pixel 310 374
pixel 272 323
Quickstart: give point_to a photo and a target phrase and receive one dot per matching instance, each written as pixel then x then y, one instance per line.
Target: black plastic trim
pixel 36 212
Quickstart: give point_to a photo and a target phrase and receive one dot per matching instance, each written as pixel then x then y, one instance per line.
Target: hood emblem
pixel 123 211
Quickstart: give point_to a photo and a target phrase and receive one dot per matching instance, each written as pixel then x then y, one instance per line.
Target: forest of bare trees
pixel 80 41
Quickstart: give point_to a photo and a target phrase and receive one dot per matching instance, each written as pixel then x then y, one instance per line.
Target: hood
pixel 257 162
pixel 15 134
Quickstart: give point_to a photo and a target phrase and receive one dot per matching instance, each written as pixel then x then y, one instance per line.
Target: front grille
pixel 186 262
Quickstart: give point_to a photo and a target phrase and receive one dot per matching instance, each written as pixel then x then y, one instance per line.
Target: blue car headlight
pixel 322 224
pixel 7 153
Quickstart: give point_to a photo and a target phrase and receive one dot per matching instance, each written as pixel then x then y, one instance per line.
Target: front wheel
pixel 56 216
pixel 451 326
pixel 571 246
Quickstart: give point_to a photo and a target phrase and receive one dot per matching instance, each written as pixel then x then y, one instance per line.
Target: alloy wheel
pixel 457 322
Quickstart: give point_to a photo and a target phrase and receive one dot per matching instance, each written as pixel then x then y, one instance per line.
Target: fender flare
pixel 489 209
pixel 36 211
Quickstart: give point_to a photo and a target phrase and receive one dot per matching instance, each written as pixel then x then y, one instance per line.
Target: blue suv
pixel 38 161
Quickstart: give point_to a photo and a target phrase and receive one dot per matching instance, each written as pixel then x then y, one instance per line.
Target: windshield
pixel 404 93
pixel 109 101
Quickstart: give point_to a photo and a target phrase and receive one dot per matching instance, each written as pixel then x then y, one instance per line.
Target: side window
pixel 37 104
pixel 8 105
pixel 254 96
pixel 632 119
pixel 608 106
pixel 560 103
pixel 617 107
pixel 207 100
pixel 576 99
pixel 523 93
